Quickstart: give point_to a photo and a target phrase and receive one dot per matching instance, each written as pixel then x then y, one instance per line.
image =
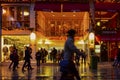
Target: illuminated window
pixel 16 17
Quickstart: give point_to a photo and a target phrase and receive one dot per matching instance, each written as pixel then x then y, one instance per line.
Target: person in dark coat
pixel 38 58
pixel 11 57
pixel 27 59
pixel 69 50
pixel 15 59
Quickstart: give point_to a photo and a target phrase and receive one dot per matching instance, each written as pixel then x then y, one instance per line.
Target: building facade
pixel 50 20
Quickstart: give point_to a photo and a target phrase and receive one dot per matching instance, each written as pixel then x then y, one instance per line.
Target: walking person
pixel 117 60
pixel 15 58
pixel 54 52
pixel 69 50
pixel 27 59
pixel 38 58
pixel 11 57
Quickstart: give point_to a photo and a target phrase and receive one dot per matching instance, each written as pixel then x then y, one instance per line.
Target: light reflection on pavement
pixel 48 71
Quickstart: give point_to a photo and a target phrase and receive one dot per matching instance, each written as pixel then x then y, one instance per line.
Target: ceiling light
pixel 63 15
pixel 53 15
pixel 74 15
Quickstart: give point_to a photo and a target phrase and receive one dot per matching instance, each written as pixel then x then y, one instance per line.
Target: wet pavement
pixel 50 71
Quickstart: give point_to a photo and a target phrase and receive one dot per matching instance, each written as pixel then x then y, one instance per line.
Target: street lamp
pixel 91 40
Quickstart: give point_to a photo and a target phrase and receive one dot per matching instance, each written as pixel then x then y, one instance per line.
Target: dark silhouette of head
pixel 71 32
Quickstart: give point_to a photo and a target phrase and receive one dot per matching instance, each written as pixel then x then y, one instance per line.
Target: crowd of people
pixel 70 53
pixel 41 56
pixel 14 57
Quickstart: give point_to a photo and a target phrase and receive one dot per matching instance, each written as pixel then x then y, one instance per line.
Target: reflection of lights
pixel 40 42
pixel 25 13
pixel 98 23
pixel 91 36
pixel 81 42
pixel 11 18
pixel 32 36
pixel 4 11
pixel 47 42
pixel 44 42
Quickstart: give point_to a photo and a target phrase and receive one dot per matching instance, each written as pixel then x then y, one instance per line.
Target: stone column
pixel 32 26
pixel 0 32
pixel 91 27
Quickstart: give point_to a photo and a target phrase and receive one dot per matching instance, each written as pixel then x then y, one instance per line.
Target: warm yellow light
pixel 25 13
pixel 4 11
pixel 40 42
pixel 47 42
pixel 91 40
pixel 32 36
pixel 81 42
pixel 98 23
pixel 91 36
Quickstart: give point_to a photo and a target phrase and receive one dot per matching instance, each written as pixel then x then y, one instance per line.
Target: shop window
pixel 5 41
pixel 15 17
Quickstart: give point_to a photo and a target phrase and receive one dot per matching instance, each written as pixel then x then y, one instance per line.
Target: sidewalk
pixel 50 71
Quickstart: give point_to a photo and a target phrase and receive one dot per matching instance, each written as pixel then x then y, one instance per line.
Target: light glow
pixel 3 11
pixel 25 13
pixel 81 42
pixel 91 40
pixel 32 36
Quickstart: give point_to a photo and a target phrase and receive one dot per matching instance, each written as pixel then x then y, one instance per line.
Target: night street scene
pixel 59 39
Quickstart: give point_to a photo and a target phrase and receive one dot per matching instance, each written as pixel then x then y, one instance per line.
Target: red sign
pixel 70 7
pixel 111 37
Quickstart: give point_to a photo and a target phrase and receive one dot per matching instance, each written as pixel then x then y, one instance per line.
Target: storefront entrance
pixel 18 41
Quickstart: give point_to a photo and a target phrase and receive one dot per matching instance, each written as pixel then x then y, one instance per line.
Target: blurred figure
pixel 11 56
pixel 77 59
pixel 27 59
pixel 58 56
pixel 54 54
pixel 83 57
pixel 15 58
pixel 38 58
pixel 117 59
pixel 44 55
pixel 69 50
pixel 114 52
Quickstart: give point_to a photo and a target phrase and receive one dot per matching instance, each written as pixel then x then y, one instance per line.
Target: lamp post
pixel 33 44
pixel 93 57
pixel 91 40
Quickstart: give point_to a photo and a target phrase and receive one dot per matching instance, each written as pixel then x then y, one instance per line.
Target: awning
pixel 68 7
pixel 111 7
pixel 112 37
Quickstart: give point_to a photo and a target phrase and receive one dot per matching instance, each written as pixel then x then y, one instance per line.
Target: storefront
pixel 108 41
pixel 14 40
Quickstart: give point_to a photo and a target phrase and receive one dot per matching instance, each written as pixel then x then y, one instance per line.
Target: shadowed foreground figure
pixel 67 66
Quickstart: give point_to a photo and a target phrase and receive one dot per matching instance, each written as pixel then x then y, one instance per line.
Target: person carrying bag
pixel 67 66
